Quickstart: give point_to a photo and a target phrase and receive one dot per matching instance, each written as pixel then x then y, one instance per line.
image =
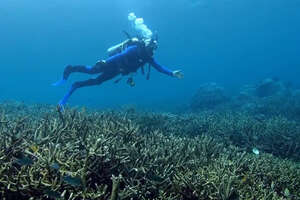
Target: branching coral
pixel 116 155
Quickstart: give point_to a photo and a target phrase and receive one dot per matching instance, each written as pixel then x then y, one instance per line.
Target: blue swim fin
pixel 60 82
pixel 61 106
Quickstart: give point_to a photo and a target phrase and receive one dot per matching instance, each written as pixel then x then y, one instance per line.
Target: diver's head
pixel 151 44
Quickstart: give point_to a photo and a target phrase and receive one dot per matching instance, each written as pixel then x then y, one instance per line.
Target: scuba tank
pixel 117 48
pixel 123 45
pixel 144 35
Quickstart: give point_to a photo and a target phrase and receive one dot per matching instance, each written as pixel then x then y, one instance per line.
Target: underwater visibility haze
pixel 218 117
pixel 228 42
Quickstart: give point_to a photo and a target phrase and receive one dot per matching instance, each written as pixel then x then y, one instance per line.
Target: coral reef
pixel 82 154
pixel 268 98
pixel 271 87
pixel 208 96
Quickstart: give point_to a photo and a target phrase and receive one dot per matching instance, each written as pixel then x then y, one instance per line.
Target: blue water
pixel 230 42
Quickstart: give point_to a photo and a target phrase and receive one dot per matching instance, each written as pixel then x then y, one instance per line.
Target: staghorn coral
pixel 121 155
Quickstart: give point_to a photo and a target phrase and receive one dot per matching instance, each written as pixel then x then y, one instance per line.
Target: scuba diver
pixel 124 59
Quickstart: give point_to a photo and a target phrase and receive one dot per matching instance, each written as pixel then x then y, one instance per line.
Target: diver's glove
pixel 178 74
pixel 58 83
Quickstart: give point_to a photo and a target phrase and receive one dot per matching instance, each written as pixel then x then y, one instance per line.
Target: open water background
pixel 230 42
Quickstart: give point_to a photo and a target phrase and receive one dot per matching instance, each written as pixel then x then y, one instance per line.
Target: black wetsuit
pixel 125 62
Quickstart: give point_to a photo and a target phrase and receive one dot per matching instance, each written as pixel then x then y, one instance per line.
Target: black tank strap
pixel 148 73
pixel 143 70
pixel 127 34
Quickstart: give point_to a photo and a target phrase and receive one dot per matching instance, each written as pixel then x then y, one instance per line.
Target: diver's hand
pixel 178 74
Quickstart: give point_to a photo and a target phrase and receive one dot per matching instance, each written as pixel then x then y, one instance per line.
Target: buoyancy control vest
pixel 125 44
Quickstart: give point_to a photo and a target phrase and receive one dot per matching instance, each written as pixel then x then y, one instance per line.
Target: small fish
pixel 255 151
pixel 287 192
pixel 75 181
pixel 52 194
pixel 272 185
pixel 34 148
pixel 24 161
pixel 244 179
pixel 55 166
